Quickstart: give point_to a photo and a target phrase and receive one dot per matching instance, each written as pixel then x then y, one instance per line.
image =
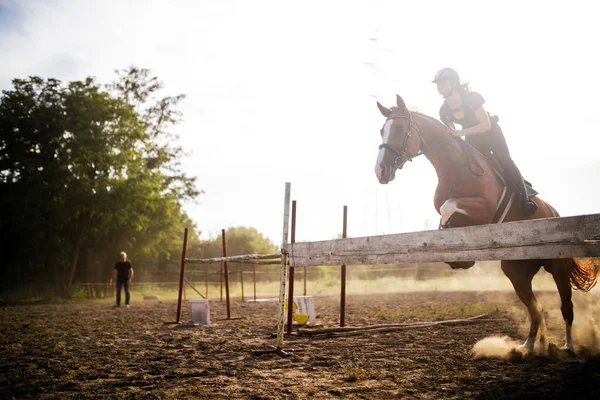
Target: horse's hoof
pixel 527 346
pixel 569 349
pixel 461 264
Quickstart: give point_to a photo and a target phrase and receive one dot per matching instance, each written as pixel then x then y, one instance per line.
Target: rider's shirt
pixel 492 140
pixel 470 102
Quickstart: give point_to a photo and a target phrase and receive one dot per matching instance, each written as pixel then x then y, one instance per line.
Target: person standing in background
pixel 124 274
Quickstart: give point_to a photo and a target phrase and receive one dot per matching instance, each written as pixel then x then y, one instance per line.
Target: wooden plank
pixel 565 237
pixel 250 258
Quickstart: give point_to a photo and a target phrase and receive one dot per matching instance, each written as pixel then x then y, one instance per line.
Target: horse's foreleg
pixel 464 211
pixel 520 273
pixel 561 271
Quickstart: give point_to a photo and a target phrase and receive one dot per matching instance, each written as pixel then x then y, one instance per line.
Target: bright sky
pixel 285 91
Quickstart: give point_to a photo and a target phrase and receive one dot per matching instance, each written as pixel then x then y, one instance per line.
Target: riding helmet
pixel 446 73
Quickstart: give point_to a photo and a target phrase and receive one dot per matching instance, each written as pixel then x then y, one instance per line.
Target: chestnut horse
pixel 468 193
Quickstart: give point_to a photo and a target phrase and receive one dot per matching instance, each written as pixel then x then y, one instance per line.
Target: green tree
pixel 86 170
pixel 240 240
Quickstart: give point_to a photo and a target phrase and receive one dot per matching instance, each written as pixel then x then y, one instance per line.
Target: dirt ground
pixel 90 350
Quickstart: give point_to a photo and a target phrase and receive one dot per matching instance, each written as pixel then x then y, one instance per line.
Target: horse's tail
pixel 584 273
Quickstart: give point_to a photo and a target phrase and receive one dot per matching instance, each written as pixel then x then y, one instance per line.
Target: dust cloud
pixel 586 331
pixel 586 327
pixel 495 347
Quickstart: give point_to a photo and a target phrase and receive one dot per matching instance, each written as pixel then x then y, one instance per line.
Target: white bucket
pixel 200 312
pixel 304 310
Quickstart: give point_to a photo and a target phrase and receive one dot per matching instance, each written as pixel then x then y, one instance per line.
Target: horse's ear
pixel 400 103
pixel 383 110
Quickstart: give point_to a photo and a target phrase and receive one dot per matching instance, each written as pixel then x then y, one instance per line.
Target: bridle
pixel 399 160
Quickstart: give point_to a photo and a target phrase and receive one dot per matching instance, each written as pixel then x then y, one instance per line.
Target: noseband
pixel 399 160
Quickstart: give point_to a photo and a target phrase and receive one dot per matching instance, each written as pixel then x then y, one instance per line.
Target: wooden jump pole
pixel 254 274
pixel 283 272
pixel 565 237
pixel 206 279
pixel 181 277
pixel 290 302
pixel 242 280
pixel 226 268
pixel 283 269
pixel 343 273
pixel 182 274
pixel 304 270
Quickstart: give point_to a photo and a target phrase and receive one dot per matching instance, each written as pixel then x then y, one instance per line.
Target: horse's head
pixel 399 144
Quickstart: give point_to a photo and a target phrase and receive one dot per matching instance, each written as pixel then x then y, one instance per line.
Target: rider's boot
pixel 525 205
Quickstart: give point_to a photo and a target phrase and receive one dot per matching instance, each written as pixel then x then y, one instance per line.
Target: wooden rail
pixel 565 237
pixel 247 259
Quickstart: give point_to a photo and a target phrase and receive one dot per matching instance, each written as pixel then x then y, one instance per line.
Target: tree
pixel 240 240
pixel 86 169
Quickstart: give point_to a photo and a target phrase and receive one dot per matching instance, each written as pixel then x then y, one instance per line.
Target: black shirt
pixel 470 102
pixel 123 270
pixel 486 142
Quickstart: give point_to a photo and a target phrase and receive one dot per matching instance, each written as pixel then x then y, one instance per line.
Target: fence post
pixel 206 279
pixel 283 269
pixel 221 280
pixel 343 278
pixel 291 275
pixel 182 274
pixel 226 273
pixel 242 279
pixel 254 269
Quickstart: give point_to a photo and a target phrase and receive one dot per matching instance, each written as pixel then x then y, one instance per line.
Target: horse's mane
pixel 416 110
pixel 432 119
pixel 468 149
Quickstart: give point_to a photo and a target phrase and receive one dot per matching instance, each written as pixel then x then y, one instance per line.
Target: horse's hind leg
pixel 520 273
pixel 561 272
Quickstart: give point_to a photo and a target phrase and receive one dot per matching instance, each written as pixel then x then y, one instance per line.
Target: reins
pixel 399 161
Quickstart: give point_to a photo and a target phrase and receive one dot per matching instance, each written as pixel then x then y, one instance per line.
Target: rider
pixel 465 107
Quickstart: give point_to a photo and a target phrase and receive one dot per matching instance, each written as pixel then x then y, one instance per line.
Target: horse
pixel 468 193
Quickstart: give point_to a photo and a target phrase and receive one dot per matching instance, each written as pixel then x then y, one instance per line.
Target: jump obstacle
pixel 564 237
pixel 255 259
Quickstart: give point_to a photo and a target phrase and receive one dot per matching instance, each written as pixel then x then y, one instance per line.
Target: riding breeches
pixel 513 176
pixel 493 144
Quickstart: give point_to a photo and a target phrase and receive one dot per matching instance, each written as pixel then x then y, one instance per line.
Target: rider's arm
pixel 484 124
pixel 450 125
pixel 446 118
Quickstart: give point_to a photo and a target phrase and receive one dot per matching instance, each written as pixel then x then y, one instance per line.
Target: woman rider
pixel 464 107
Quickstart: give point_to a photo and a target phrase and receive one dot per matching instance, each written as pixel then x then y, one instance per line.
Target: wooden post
pixel 182 274
pixel 304 270
pixel 343 278
pixel 242 279
pixel 206 280
pixel 221 278
pixel 254 269
pixel 291 278
pixel 283 268
pixel 226 268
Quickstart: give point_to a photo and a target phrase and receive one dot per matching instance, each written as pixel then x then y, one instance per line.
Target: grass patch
pixel 475 279
pixel 354 373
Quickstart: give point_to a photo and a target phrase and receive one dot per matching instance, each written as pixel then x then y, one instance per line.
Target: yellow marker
pixel 302 319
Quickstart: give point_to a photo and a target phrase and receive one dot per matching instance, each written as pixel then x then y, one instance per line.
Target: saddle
pixel 508 194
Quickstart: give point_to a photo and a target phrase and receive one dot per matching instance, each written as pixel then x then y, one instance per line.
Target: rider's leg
pixel 514 179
